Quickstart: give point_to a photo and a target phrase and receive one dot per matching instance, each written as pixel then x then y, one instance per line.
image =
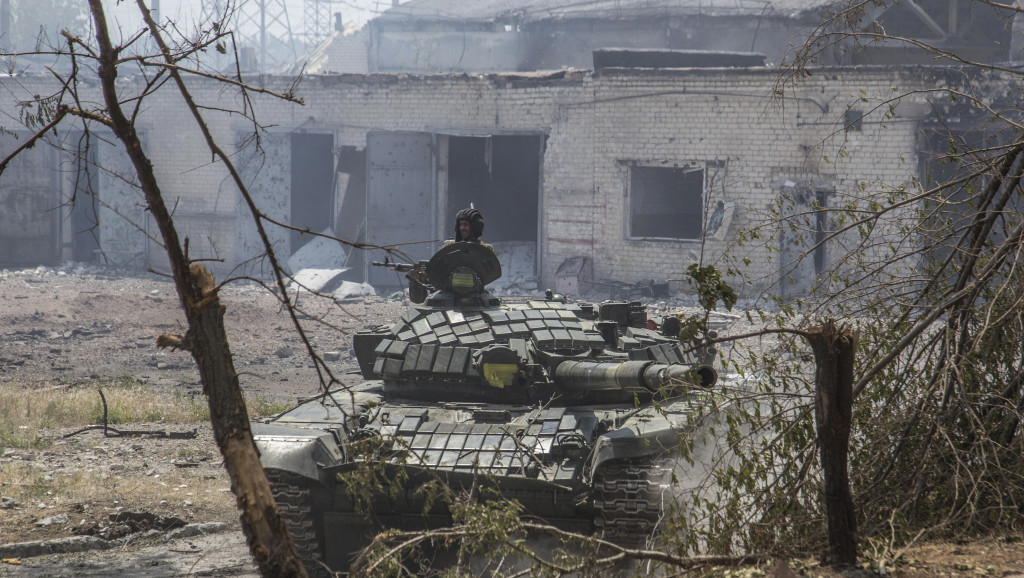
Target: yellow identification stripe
pixel 462 280
pixel 500 374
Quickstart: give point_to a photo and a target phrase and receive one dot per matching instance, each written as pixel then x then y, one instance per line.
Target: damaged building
pixel 636 142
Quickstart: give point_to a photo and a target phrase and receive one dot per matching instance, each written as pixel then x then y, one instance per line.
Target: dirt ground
pixel 65 328
pixel 69 327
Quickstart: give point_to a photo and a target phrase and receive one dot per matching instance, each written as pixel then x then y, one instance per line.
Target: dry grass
pixel 24 410
pixel 90 476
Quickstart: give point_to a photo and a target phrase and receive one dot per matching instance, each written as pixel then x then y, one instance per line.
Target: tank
pixel 568 408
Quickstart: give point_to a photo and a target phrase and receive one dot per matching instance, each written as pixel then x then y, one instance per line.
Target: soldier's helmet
pixel 476 223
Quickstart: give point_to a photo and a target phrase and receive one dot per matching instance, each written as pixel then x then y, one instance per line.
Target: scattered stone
pixel 195 530
pixel 332 356
pixel 59 519
pixel 283 352
pixel 7 502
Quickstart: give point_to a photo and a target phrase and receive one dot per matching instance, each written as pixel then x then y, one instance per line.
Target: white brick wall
pixel 592 121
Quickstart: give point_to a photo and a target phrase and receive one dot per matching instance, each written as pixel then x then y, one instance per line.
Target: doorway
pixel 500 176
pixel 312 182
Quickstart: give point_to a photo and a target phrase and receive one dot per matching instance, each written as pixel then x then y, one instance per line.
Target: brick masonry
pixel 731 122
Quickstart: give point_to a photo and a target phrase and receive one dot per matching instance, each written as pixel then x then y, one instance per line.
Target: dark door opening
pixel 500 175
pixel 352 205
pixel 312 183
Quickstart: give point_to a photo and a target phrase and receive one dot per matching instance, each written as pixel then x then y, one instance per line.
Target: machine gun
pixel 416 273
pixel 400 267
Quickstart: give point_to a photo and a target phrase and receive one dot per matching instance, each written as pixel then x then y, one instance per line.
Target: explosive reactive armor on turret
pixel 552 401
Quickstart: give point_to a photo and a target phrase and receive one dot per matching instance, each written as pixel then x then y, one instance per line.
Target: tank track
pixel 294 499
pixel 629 499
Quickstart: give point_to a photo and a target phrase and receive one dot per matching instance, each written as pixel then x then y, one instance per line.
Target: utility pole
pixel 262 21
pixel 316 21
pixel 258 24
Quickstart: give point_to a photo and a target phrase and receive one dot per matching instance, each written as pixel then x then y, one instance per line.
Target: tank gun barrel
pixel 633 376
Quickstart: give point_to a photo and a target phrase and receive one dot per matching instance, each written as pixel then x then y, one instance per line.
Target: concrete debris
pixel 319 280
pixel 348 290
pixel 517 260
pixel 320 252
pixel 59 519
pixel 193 530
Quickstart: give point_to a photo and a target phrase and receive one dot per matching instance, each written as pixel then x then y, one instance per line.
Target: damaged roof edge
pixel 523 11
pixel 504 79
pixel 664 58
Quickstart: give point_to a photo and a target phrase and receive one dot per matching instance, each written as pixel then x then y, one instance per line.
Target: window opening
pixel 666 202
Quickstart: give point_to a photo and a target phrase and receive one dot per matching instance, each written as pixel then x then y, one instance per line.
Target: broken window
pixel 666 202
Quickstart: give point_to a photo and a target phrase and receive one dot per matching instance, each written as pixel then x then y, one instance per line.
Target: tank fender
pixel 306 452
pixel 649 438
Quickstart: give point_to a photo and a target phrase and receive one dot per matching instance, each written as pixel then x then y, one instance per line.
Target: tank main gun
pixel 645 377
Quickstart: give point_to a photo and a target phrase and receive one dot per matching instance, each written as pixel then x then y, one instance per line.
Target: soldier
pixel 469 227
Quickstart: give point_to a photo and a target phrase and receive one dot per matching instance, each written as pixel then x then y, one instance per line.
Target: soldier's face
pixel 465 230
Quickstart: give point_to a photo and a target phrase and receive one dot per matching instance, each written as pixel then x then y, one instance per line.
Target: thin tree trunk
pixel 206 340
pixel 834 350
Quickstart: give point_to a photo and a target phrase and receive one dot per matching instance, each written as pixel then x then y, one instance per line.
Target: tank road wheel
pixel 630 498
pixel 302 503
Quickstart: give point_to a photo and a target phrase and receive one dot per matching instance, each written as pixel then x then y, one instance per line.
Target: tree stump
pixel 834 349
